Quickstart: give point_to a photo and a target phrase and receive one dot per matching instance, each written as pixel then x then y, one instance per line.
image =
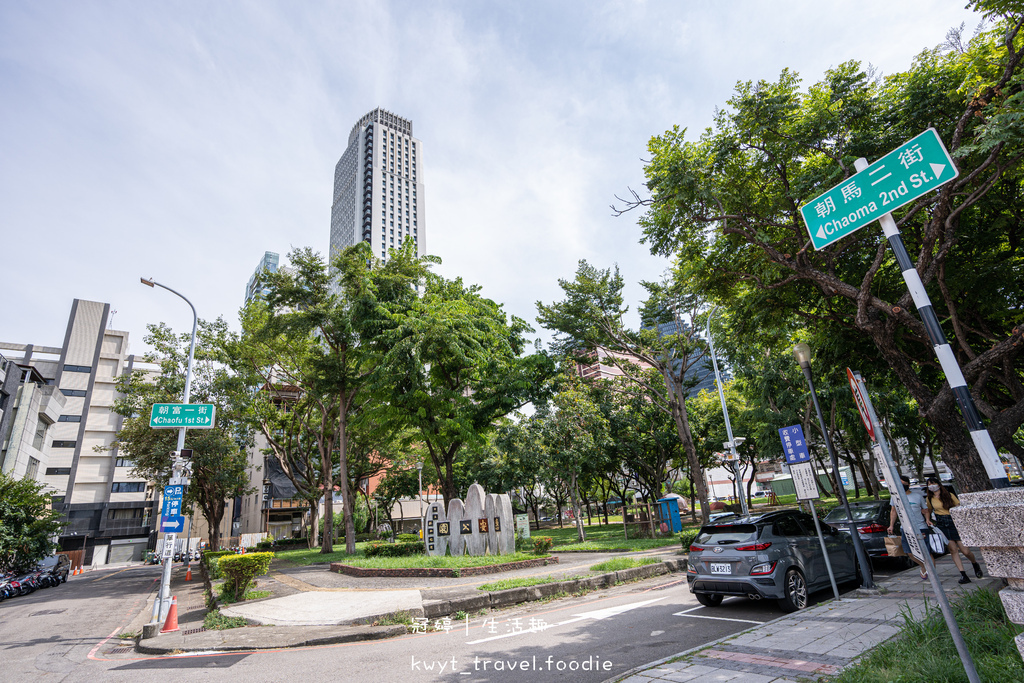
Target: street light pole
pixel 725 413
pixel 802 353
pixel 163 601
pixel 419 492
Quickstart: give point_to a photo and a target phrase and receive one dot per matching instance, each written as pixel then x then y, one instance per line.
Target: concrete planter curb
pixel 261 639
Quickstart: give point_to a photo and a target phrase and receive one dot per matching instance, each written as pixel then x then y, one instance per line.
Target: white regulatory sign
pixel 804 481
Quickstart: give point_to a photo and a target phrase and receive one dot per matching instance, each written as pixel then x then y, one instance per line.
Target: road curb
pixel 175 643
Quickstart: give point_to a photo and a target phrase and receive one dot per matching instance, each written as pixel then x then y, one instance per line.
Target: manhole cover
pixel 47 611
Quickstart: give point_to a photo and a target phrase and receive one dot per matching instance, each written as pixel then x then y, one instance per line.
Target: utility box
pixel 668 509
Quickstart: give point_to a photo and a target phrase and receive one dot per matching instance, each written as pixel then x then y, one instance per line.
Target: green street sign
pixel 916 167
pixel 175 415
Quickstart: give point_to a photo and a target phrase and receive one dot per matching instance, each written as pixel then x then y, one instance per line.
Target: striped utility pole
pixel 955 377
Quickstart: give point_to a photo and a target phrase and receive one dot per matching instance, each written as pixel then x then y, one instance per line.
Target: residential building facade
pixel 378 187
pixel 65 420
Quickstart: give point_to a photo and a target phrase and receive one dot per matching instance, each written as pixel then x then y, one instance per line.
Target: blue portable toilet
pixel 669 509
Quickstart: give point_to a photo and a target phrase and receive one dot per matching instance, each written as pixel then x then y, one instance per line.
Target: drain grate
pixel 120 650
pixel 48 611
pixel 192 631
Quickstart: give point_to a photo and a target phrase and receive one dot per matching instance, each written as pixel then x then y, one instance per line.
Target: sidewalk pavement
pixel 806 645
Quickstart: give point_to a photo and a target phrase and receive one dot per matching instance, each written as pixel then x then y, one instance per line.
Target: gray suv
pixel 775 556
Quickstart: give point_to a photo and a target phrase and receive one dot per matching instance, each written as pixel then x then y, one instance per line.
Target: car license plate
pixel 721 568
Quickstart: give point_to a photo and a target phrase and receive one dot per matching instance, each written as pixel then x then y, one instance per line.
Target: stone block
pixel 456 540
pixel 474 534
pixel 1020 644
pixel 493 522
pixel 470 603
pixel 1013 602
pixel 991 519
pixel 437 608
pixel 512 596
pixel 1004 562
pixel 507 530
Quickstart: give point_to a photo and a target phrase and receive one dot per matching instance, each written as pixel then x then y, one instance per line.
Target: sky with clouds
pixel 183 139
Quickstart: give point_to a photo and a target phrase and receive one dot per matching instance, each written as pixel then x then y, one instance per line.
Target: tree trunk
pixel 678 406
pixel 346 497
pixel 958 451
pixel 577 513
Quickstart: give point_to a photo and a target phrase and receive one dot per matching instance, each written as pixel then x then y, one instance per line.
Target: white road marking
pixel 656 633
pixel 595 614
pixel 686 613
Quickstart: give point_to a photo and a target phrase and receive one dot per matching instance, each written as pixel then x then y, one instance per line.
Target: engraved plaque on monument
pixel 433 541
pixel 491 509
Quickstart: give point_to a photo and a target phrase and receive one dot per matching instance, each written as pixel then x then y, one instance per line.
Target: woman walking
pixel 940 501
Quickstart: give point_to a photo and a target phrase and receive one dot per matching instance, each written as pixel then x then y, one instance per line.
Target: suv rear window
pixel 860 514
pixel 726 534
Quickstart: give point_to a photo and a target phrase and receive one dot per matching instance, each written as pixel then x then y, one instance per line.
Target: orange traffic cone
pixel 188 574
pixel 171 624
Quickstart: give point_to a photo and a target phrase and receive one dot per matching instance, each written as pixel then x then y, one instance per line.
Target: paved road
pixel 64 634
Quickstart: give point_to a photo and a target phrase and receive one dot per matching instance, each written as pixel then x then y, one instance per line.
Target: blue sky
pixel 181 140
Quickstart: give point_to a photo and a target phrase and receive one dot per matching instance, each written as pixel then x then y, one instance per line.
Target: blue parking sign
pixel 794 445
pixel 174 525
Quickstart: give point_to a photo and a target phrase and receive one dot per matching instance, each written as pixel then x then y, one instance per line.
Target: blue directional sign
pixel 794 445
pixel 172 501
pixel 172 525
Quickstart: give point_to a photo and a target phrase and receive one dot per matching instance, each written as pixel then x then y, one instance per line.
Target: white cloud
pixel 182 140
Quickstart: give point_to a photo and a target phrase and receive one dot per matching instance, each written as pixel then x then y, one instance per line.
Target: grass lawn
pixel 604 537
pixel 304 556
pixel 505 584
pixel 447 562
pixel 923 651
pixel 619 563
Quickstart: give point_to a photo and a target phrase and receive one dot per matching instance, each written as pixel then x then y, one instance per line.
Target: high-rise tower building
pixel 378 187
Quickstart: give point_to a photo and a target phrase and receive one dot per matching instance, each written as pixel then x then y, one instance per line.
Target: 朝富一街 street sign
pixel 916 167
pixel 174 415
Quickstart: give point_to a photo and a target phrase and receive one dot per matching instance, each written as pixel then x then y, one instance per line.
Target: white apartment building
pixel 63 419
pixel 378 187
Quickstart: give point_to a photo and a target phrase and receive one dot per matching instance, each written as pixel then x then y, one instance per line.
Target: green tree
pixel 590 319
pixel 27 524
pixel 452 364
pixel 728 205
pixel 219 462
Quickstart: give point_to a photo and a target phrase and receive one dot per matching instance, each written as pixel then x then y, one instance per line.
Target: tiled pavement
pixel 812 643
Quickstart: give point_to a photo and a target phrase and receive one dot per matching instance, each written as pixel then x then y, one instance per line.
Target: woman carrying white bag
pixel 919 512
pixel 940 501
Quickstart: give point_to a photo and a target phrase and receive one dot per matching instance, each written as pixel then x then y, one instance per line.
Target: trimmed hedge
pixel 211 560
pixel 393 549
pixel 407 538
pixel 240 570
pixel 687 537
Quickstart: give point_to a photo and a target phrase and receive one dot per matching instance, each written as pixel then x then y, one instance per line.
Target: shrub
pixel 211 560
pixel 240 570
pixel 687 537
pixel 542 544
pixel 408 538
pixel 265 544
pixel 523 544
pixel 393 549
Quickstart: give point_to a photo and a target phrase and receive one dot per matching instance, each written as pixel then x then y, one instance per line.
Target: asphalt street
pixel 68 634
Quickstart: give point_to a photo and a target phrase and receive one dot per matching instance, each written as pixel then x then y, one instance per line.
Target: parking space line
pixel 686 613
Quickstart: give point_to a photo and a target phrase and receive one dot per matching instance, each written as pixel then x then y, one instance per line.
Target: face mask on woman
pixel 933 487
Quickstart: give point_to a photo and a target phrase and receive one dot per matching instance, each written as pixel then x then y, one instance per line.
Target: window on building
pixel 127 513
pixel 33 468
pixel 123 462
pixel 40 436
pixel 77 368
pixel 80 393
pixel 57 471
pixel 128 487
pixel 56 502
pixel 65 444
pixel 69 418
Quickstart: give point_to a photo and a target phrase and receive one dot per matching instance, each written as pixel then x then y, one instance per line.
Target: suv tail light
pixel 695 548
pixel 762 569
pixel 756 546
pixel 873 528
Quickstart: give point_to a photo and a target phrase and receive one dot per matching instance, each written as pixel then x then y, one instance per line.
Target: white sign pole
pixel 805 482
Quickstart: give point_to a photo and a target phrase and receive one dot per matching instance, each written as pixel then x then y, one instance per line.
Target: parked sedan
pixel 775 556
pixel 872 518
